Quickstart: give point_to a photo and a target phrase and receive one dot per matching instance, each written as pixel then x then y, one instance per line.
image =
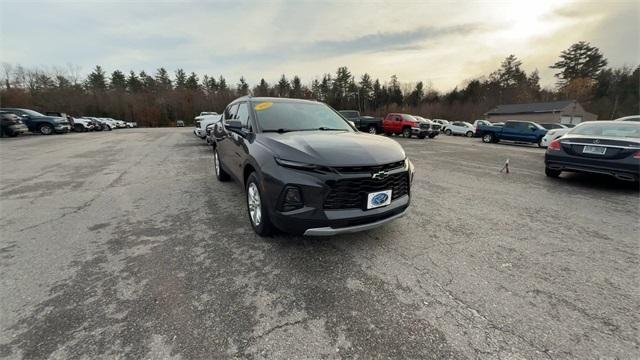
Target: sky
pixel 443 43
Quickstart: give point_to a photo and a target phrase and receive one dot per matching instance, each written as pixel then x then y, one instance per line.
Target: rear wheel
pixel 487 138
pixel 373 130
pixel 448 132
pixel 78 127
pixel 406 132
pixel 46 129
pixel 221 175
pixel 469 134
pixel 552 173
pixel 258 214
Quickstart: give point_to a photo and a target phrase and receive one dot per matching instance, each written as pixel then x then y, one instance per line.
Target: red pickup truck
pixel 405 124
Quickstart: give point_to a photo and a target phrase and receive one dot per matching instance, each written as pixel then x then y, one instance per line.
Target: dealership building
pixel 563 112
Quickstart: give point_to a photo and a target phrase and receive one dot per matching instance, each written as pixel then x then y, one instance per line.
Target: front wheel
pixel 46 129
pixel 540 145
pixel 469 134
pixel 221 175
pixel 431 136
pixel 406 132
pixel 552 173
pixel 448 132
pixel 422 136
pixel 373 130
pixel 258 214
pixel 487 138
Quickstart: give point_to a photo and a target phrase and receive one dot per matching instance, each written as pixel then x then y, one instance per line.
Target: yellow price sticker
pixel 263 105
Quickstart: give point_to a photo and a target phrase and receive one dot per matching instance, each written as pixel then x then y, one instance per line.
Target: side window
pixel 532 127
pixel 511 124
pixel 243 114
pixel 398 118
pixel 230 112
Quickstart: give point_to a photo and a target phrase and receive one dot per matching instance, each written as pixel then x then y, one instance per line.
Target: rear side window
pixel 512 124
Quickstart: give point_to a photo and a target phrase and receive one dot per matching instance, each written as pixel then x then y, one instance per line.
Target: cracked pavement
pixel 123 245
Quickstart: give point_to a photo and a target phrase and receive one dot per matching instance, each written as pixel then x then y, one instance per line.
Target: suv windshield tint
pixel 297 116
pixel 631 130
pixel 31 112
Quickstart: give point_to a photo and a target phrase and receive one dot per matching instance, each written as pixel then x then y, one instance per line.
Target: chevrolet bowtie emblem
pixel 379 175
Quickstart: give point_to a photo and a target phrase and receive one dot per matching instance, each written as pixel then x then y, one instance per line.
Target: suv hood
pixel 333 148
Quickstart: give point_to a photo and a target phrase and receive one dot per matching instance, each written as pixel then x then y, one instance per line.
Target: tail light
pixel 636 155
pixel 554 146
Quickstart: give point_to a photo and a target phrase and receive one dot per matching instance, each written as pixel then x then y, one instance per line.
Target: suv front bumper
pixel 315 218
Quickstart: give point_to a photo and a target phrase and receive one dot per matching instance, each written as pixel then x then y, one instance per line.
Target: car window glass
pixel 243 114
pixel 511 124
pixel 230 112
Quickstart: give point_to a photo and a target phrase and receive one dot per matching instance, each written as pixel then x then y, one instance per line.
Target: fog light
pixel 292 199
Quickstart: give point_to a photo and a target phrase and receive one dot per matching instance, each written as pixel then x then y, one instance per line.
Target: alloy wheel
pixel 255 206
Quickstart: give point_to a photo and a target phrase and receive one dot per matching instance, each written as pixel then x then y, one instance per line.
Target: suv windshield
pixel 31 112
pixel 631 130
pixel 297 116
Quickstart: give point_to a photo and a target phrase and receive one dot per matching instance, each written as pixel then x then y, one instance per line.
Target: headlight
pixel 296 164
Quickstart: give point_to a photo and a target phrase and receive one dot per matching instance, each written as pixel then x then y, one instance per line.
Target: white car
pixel 443 123
pixel 551 135
pixel 629 118
pixel 202 122
pixel 82 124
pixel 460 128
pixel 481 122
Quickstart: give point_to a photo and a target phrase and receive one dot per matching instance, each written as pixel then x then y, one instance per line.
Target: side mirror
pixel 233 125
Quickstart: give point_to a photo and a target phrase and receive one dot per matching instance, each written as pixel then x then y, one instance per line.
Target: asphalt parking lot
pixel 123 245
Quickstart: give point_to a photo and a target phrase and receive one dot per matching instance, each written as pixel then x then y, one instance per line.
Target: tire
pixel 46 129
pixel 372 130
pixel 488 138
pixel 540 143
pixel 78 128
pixel 422 136
pixel 221 175
pixel 406 132
pixel 12 134
pixel 469 134
pixel 447 132
pixel 431 136
pixel 552 173
pixel 256 209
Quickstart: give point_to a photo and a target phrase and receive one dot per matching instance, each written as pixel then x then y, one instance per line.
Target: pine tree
pixel 580 61
pixel 283 87
pixel 296 87
pixel 97 81
pixel 134 84
pixel 192 83
pixel 262 89
pixel 118 80
pixel 242 87
pixel 181 79
pixel 162 79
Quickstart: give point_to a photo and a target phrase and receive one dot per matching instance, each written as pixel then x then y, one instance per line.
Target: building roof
pixel 541 107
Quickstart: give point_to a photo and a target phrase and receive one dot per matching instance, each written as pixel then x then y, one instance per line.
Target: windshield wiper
pixel 279 131
pixel 323 128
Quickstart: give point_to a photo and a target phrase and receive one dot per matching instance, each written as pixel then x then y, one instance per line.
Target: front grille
pixel 197 124
pixel 424 126
pixel 369 169
pixel 352 193
pixel 435 127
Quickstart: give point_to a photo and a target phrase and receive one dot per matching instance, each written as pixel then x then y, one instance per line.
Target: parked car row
pixel 16 121
pixel 394 124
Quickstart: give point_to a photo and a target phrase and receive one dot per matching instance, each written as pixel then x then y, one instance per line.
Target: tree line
pixel 159 99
